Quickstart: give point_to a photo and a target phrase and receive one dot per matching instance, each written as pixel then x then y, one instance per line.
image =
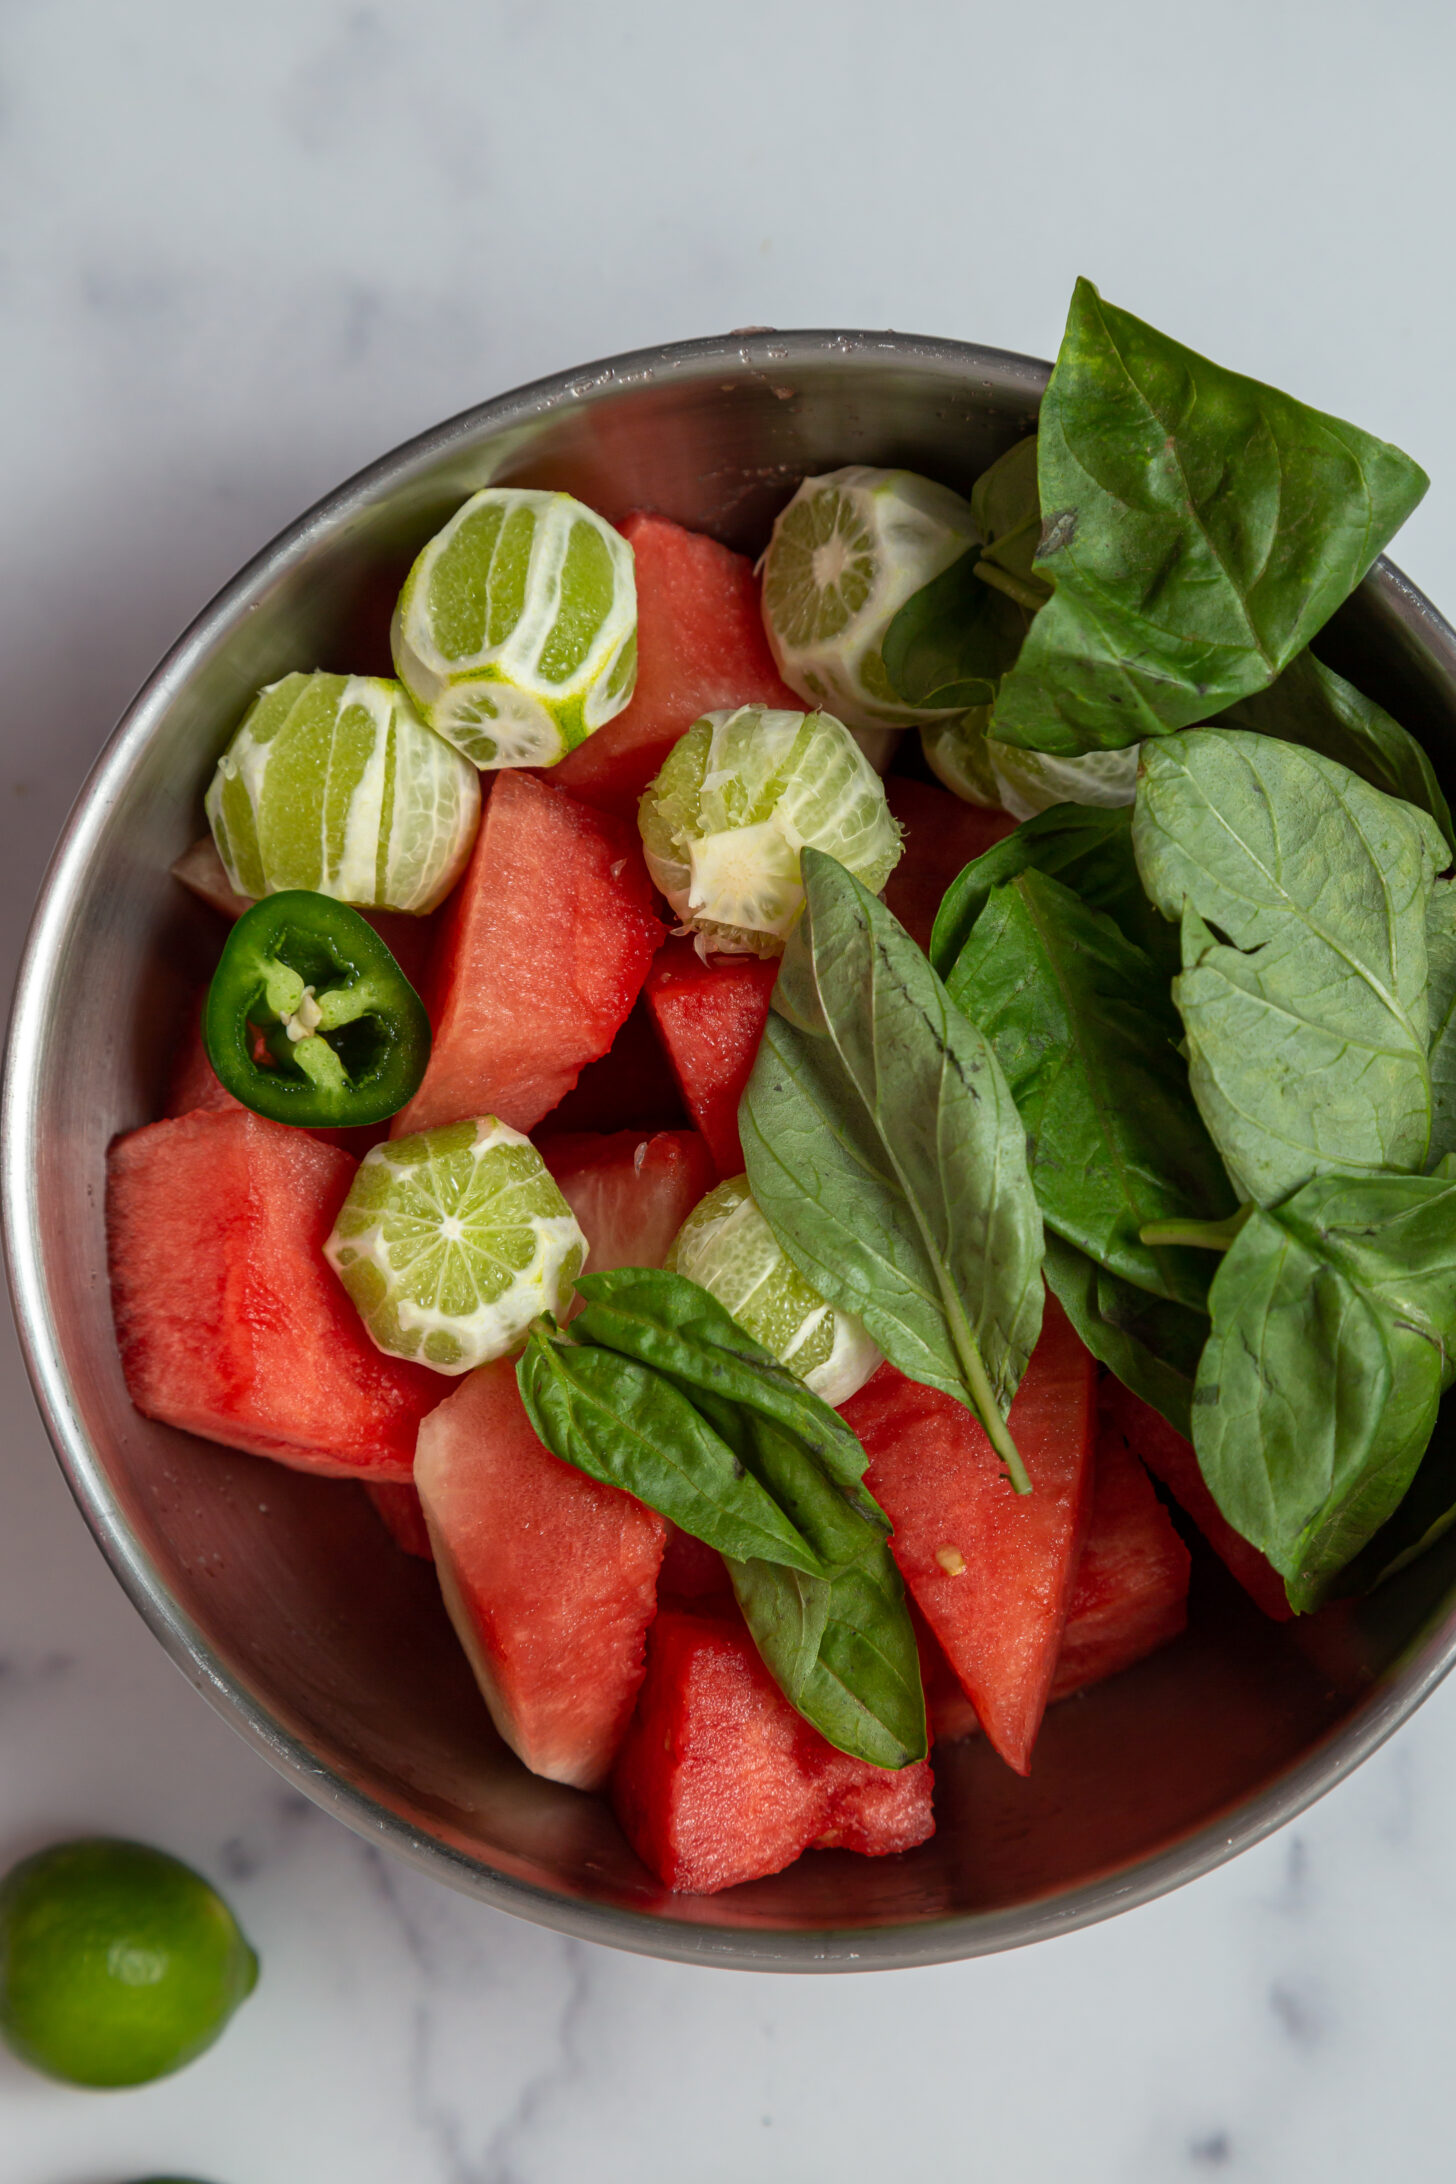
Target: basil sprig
pixel 884 1149
pixel 1175 594
pixel 658 1390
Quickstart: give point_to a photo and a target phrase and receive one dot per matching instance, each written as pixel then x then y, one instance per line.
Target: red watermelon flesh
pixel 1171 1459
pixel 1131 1594
pixel 230 1321
pixel 942 835
pixel 630 1193
pixel 693 1573
pixel 402 1514
pixel 710 1018
pixel 194 1087
pixel 632 1087
pixel 991 1570
pixel 550 1578
pixel 720 1781
pixel 546 943
pixel 700 646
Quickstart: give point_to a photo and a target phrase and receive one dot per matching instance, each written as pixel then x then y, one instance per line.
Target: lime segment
pixel 452 1241
pixel 334 783
pixel 727 1247
pixel 516 631
pixel 848 551
pixel 118 1964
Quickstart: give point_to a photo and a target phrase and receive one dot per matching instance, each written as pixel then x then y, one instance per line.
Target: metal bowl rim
pixel 754 352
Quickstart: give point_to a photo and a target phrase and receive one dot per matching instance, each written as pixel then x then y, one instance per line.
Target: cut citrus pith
pixel 516 631
pixel 848 551
pixel 452 1241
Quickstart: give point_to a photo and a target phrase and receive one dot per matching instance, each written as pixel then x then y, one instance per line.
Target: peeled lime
pixel 848 551
pixel 738 799
pixel 983 770
pixel 334 783
pixel 955 751
pixel 727 1247
pixel 516 631
pixel 452 1241
pixel 1032 781
pixel 118 1964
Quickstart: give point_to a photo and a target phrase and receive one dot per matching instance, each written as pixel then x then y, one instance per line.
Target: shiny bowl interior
pixel 279 1595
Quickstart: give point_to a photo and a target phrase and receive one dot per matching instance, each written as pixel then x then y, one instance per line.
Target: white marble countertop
pixel 243 252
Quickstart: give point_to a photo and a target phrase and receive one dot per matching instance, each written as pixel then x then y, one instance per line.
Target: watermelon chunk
pixel 991 1570
pixel 942 835
pixel 710 1018
pixel 403 1516
pixel 632 1087
pixel 230 1321
pixel 1129 1598
pixel 700 645
pixel 549 1578
pixel 720 1781
pixel 1171 1459
pixel 545 946
pixel 630 1193
pixel 193 1086
pixel 1131 1594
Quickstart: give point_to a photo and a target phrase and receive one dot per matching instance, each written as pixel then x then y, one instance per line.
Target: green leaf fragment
pixel 1152 1346
pixel 1089 849
pixel 1083 1029
pixel 1310 704
pixel 1333 1318
pixel 1302 894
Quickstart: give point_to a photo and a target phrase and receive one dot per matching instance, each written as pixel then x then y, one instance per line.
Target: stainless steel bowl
pixel 280 1596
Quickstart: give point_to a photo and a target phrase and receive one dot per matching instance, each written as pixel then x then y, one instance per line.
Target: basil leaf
pixel 1088 849
pixel 1306 1021
pixel 1006 508
pixel 1199 529
pixel 1332 1319
pixel 1441 971
pixel 1152 1346
pixel 676 1327
pixel 1311 705
pixel 842 1651
pixel 1425 1516
pixel 627 1426
pixel 949 645
pixel 884 1149
pixel 1083 1028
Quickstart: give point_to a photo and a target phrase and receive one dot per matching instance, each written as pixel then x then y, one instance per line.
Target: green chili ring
pixel 309 1019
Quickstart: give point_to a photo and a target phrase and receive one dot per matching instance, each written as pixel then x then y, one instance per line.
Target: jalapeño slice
pixel 310 1020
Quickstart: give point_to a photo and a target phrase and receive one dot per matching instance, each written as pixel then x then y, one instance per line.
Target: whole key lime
pixel 117 1963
